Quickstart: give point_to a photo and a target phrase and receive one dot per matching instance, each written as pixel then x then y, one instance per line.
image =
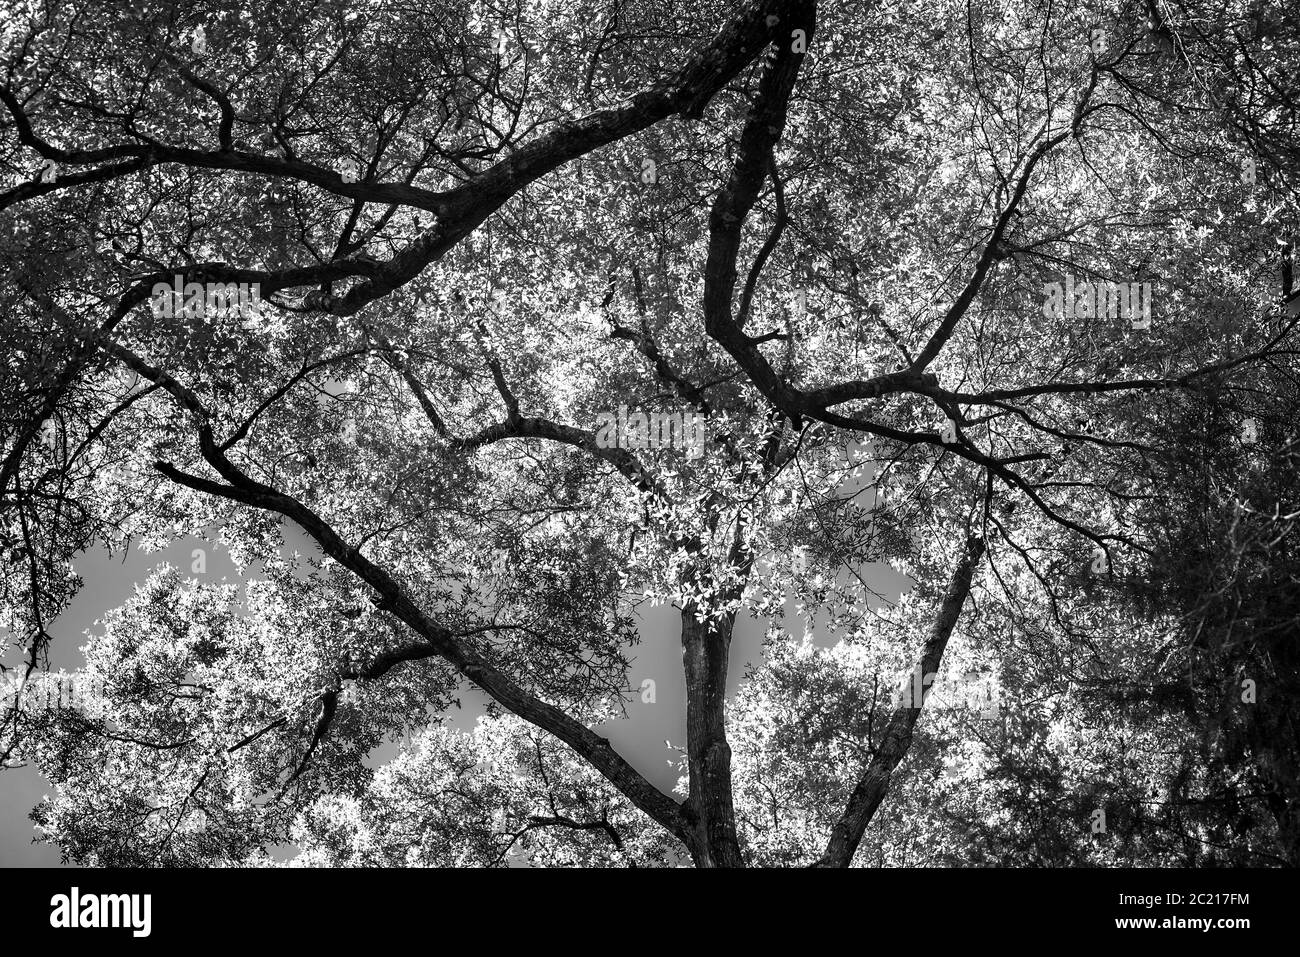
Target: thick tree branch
pixel 893 747
pixel 242 488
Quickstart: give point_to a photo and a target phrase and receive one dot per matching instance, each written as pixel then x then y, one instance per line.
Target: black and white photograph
pixel 475 437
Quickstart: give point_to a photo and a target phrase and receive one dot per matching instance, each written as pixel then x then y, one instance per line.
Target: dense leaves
pixel 832 231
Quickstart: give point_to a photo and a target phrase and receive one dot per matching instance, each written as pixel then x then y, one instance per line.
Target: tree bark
pixel 874 783
pixel 706 648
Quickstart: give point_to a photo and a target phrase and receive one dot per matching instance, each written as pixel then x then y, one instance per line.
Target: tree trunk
pixel 705 651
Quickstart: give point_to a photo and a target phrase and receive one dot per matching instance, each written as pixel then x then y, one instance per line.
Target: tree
pixel 838 239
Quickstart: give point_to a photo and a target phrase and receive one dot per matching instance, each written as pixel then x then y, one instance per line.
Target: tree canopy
pixel 998 294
